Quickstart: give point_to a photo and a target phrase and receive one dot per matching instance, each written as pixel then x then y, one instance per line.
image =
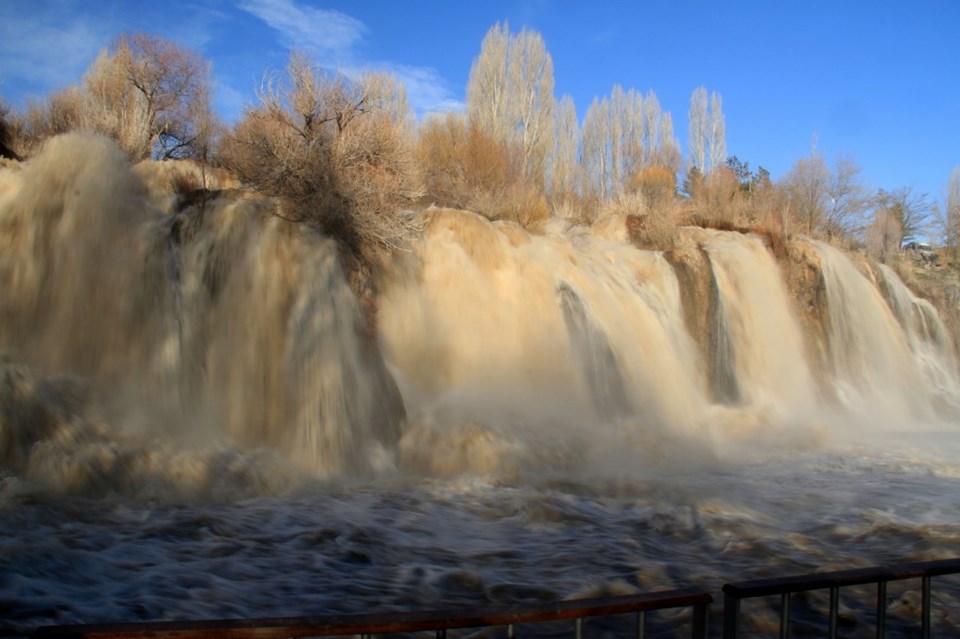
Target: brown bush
pixel 465 168
pixel 334 158
pixel 7 134
pixel 61 112
pixel 656 184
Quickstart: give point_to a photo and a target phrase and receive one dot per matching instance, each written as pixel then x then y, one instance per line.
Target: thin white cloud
pixel 43 52
pixel 329 33
pixel 426 90
pixel 333 37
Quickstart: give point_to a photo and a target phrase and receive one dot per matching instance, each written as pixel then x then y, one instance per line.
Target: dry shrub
pixel 570 208
pixel 465 168
pixel 655 229
pixel 334 158
pixel 656 184
pixel 375 163
pixel 60 113
pixel 650 205
pixel 717 201
pixel 8 134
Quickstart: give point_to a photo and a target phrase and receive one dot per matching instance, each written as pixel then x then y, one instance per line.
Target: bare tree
pixel 660 148
pixel 331 149
pixel 564 165
pixel 884 236
pixel 698 131
pixel 717 132
pixel 623 133
pixel 806 186
pixel 706 141
pixel 847 200
pixel 510 95
pixel 952 214
pixel 7 134
pixel 150 94
pixel 911 209
pixel 61 112
pixel 613 142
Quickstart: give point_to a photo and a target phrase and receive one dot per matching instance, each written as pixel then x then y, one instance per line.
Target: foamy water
pixel 436 544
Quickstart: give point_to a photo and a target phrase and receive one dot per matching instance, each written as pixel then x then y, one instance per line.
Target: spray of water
pixel 217 328
pixel 146 333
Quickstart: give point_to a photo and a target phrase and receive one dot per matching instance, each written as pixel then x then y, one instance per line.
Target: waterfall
pixel 221 327
pixel 929 341
pixel 876 373
pixel 216 325
pixel 563 337
pixel 758 328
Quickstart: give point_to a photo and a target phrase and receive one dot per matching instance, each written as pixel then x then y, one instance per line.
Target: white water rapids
pixel 196 420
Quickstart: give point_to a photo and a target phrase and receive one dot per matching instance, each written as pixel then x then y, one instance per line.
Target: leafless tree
pixel 847 200
pixel 699 128
pixel 510 95
pixel 564 160
pixel 152 95
pixel 806 187
pixel 951 230
pixel 332 150
pixel 884 236
pixel 7 134
pixel 717 132
pixel 911 209
pixel 706 141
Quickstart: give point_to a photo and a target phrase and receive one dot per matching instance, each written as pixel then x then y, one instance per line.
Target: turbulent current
pixel 199 419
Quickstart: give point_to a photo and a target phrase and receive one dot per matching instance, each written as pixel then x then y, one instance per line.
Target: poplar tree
pixel 717 131
pixel 564 166
pixel 510 95
pixel 706 142
pixel 697 135
pixel 953 210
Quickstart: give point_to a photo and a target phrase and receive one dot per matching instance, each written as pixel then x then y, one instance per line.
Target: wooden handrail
pixel 384 623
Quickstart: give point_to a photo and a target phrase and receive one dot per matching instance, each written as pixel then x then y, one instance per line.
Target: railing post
pixel 881 609
pixel 700 613
pixel 731 614
pixel 925 606
pixel 785 615
pixel 834 610
pixel 641 624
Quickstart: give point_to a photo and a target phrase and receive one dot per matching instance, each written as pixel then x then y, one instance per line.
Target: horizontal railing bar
pixel 840 578
pixel 379 623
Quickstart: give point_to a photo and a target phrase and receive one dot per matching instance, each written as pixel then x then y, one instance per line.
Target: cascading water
pixel 544 342
pixel 875 372
pixel 929 341
pixel 761 335
pixel 225 327
pixel 176 381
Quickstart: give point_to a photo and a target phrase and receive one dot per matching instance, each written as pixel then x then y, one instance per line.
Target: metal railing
pixel 786 586
pixel 577 610
pixel 368 625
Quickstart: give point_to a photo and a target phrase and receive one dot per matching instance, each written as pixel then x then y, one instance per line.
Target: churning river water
pixel 437 544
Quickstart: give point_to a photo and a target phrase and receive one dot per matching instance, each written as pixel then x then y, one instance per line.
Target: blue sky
pixel 876 80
